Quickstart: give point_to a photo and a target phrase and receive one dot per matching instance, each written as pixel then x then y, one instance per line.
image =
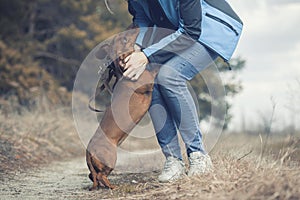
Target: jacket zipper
pixel 222 21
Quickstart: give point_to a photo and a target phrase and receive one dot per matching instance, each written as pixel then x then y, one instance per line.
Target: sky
pixel 270 44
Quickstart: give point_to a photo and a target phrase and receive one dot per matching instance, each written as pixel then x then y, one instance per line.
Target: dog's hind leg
pixel 93 177
pixel 93 174
pixel 104 180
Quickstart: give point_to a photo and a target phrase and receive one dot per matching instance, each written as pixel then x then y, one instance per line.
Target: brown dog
pixel 130 102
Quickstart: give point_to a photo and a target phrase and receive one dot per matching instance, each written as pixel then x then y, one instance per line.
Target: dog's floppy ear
pixel 103 51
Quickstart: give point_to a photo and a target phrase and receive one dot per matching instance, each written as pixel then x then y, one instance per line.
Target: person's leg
pixel 166 133
pixel 171 81
pixel 164 125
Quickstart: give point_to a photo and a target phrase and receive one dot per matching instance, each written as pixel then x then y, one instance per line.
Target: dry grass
pixel 233 181
pixel 36 137
pixel 241 171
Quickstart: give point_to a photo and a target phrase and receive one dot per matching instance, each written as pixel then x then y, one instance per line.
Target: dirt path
pixel 136 178
pixel 59 180
pixel 68 180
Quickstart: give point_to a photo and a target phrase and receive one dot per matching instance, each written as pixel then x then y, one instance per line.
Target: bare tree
pixel 293 107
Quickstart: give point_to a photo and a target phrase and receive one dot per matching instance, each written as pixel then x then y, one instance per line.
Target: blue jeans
pixel 172 105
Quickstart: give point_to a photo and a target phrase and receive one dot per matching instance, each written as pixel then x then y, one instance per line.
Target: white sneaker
pixel 173 170
pixel 199 163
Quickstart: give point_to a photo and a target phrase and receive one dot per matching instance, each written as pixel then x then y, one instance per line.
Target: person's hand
pixel 137 48
pixel 135 65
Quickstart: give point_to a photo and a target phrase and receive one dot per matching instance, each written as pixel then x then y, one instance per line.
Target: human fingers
pixel 127 58
pixel 121 63
pixel 125 63
pixel 139 72
pixel 129 73
pixel 136 76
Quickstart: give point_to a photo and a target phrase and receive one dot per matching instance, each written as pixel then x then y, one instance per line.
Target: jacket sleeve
pixel 139 18
pixel 187 34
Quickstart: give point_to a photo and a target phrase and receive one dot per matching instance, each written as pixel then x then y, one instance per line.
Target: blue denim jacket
pixel 186 17
pixel 210 22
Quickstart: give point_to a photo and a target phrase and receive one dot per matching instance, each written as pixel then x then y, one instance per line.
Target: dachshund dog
pixel 130 101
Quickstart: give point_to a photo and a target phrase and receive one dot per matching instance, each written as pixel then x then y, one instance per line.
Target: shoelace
pixel 198 161
pixel 168 164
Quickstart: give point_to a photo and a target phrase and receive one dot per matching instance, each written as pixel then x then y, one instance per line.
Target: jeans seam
pixel 194 120
pixel 186 102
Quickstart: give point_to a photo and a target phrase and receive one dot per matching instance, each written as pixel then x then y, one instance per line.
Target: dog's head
pixel 115 50
pixel 124 43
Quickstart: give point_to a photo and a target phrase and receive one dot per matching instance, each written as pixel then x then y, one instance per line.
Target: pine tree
pixel 43 42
